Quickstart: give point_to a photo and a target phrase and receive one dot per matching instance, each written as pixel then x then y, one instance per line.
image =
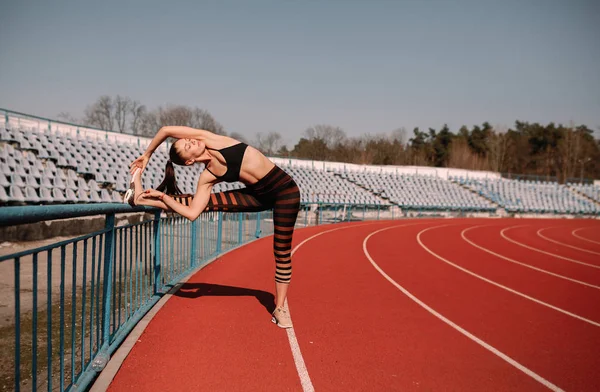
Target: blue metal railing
pixel 75 301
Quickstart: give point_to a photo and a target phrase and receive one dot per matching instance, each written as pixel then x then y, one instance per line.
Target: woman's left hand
pixel 151 193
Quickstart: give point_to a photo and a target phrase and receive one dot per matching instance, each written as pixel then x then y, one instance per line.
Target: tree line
pixel 551 150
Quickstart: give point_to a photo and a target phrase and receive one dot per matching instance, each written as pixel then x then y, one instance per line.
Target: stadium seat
pixel 95 197
pixel 71 196
pixel 82 196
pixel 15 194
pixel 4 198
pixel 58 196
pixel 4 181
pixel 31 195
pixel 59 183
pixel 81 184
pixel 105 196
pixel 45 195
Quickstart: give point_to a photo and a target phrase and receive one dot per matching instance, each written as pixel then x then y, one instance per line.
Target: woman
pixel 229 160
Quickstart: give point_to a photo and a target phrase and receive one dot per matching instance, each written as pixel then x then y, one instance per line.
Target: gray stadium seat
pixel 5 169
pixel 117 198
pixel 31 195
pixel 71 184
pixel 81 184
pixel 48 173
pixel 32 182
pixel 58 196
pixel 59 183
pixel 17 180
pixel 34 172
pixel 4 181
pixel 45 195
pixel 3 196
pixel 15 194
pixel 71 196
pixel 93 185
pixel 94 197
pixel 82 197
pixel 105 196
pixel 45 182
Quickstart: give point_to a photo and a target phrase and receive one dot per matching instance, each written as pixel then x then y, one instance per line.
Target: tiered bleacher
pixel 422 192
pixel 326 187
pixel 43 167
pixel 46 166
pixel 590 190
pixel 530 196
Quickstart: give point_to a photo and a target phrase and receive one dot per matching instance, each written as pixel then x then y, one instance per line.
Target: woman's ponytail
pixel 169 183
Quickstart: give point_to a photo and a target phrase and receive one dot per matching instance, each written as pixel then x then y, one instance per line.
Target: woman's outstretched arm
pixel 198 204
pixel 178 132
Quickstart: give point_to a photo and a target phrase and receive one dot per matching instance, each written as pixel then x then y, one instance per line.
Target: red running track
pixel 357 331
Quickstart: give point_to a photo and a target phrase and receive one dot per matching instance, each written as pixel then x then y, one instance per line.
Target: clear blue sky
pixel 366 66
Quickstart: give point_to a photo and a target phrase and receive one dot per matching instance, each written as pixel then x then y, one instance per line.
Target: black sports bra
pixel 233 156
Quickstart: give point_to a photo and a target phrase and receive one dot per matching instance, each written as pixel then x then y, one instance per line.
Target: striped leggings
pixel 277 191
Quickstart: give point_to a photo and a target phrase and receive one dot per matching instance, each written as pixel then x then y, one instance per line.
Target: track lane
pixel 557 347
pixel 215 332
pixel 526 235
pixel 358 332
pixel 489 237
pixel 564 236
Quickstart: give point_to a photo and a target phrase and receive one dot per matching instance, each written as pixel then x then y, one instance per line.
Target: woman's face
pixel 189 149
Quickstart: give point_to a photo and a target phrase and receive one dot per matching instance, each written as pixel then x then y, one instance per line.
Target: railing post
pixel 109 250
pixel 377 212
pixel 240 227
pixel 156 256
pixel 320 214
pixel 306 212
pixel 219 231
pixel 364 211
pixel 193 257
pixel 257 233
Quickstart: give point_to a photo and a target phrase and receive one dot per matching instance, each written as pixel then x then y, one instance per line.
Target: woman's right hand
pixel 139 163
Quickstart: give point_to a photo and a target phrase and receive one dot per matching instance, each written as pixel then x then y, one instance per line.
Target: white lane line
pixel 305 381
pixel 543 251
pixel 464 237
pixel 498 284
pixel 539 233
pixel 466 333
pixel 583 238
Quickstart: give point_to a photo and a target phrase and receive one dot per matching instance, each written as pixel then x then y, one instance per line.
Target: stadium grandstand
pixel 49 162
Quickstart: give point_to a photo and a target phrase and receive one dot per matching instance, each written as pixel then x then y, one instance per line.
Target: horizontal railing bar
pixel 53 246
pixel 17 215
